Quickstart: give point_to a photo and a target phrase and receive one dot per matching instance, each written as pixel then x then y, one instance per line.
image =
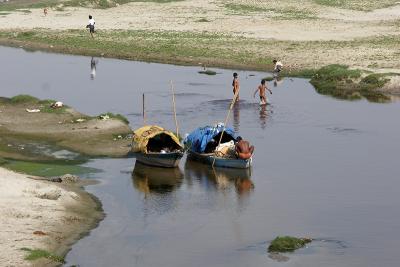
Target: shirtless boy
pixel 261 91
pixel 235 84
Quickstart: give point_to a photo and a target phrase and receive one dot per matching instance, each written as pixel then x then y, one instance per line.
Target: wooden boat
pixel 155 146
pixel 201 146
pixel 209 158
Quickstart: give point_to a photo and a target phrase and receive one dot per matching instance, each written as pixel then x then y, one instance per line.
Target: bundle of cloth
pixel 235 149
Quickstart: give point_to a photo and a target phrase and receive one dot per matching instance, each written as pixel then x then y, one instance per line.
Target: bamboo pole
pixel 226 119
pixel 144 111
pixel 174 108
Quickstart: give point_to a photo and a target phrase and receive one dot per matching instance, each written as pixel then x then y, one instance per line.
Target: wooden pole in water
pixel 144 111
pixel 227 118
pixel 174 108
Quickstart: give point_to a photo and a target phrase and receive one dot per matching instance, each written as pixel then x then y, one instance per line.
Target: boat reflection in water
pixel 149 179
pixel 222 179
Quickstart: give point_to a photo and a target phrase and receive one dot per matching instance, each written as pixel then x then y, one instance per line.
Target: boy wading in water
pixel 235 84
pixel 91 25
pixel 261 91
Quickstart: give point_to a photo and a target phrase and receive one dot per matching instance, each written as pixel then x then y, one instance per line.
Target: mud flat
pixel 41 215
pixel 65 128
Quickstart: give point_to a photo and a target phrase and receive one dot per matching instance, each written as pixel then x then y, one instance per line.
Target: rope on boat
pixel 226 119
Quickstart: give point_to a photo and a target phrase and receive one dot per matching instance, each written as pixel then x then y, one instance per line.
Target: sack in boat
pixel 226 150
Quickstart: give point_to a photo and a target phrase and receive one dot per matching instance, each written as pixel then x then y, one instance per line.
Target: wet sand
pixel 70 129
pixel 38 214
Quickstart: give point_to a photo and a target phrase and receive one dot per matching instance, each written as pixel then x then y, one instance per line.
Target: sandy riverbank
pixel 37 214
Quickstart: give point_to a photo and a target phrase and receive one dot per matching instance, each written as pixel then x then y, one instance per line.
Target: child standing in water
pixel 261 91
pixel 235 84
pixel 91 25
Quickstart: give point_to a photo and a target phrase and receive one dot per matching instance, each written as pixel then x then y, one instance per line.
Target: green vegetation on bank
pixel 223 50
pixel 43 105
pixel 59 4
pixel 156 46
pixel 218 50
pixel 287 244
pixel 341 82
pixel 279 13
pixel 363 5
pixel 35 254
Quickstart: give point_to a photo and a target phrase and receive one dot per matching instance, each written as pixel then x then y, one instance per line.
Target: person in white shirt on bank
pixel 277 67
pixel 91 25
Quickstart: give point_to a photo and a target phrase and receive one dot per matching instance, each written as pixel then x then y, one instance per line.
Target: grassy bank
pixel 212 49
pixel 301 58
pixel 59 5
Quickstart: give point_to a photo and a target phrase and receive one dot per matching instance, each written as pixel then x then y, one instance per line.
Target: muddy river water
pixel 323 168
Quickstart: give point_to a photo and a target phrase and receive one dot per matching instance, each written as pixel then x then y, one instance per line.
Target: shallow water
pixel 323 168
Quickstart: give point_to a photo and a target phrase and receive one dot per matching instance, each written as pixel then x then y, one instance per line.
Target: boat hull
pixel 220 162
pixel 165 160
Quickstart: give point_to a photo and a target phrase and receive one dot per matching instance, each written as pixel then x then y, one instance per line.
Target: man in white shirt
pixel 278 67
pixel 91 25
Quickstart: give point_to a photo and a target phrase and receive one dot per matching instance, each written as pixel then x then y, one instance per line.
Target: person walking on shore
pixel 91 25
pixel 235 85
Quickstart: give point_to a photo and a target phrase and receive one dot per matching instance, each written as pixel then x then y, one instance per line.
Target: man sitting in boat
pixel 243 148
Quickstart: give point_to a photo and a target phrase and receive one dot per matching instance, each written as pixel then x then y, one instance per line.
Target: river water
pixel 323 168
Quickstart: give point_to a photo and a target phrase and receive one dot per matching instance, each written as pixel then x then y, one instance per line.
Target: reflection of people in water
pixel 236 116
pixel 93 64
pixel 263 116
pixel 243 186
pixel 277 81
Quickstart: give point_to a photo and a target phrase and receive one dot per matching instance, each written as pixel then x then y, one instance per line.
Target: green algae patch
pixel 48 169
pixel 268 78
pixel 208 72
pixel 287 244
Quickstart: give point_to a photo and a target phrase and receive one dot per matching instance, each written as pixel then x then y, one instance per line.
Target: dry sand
pixel 63 213
pixel 280 20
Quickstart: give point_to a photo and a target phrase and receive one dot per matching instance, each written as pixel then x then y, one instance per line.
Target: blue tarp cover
pixel 199 138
